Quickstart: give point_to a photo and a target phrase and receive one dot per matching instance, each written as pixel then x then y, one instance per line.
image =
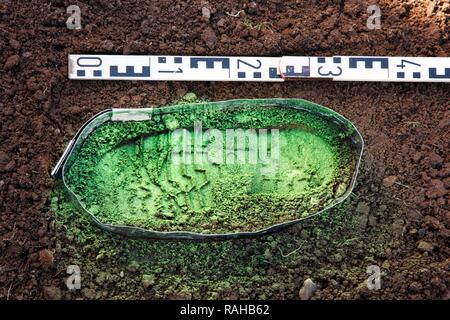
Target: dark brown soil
pixel 405 220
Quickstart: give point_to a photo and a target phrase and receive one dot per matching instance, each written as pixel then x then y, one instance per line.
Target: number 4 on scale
pixel 402 65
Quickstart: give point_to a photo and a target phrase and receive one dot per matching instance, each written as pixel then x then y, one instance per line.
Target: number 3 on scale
pixel 330 73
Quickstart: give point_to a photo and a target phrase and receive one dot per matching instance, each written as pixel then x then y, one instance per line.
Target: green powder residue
pixel 146 174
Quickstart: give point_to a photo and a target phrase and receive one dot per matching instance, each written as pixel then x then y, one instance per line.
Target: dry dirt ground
pixel 398 217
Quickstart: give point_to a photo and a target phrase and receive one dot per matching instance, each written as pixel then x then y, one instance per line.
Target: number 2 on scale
pixel 248 64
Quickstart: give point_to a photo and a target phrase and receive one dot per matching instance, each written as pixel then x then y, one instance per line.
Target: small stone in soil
pixel 308 289
pixel 252 7
pixel 209 37
pixel 4 158
pixel 372 221
pixel 436 189
pixel 222 22
pixel 206 13
pixel 398 228
pixel 415 286
pixel 88 293
pixel 148 280
pixel 52 293
pixel 430 8
pixel 433 222
pixel 133 266
pixel 425 246
pixel 433 160
pixel 102 278
pixel 13 43
pixel 46 257
pixel 182 295
pixel 389 181
pixel 363 210
pixel 11 62
pixel 107 45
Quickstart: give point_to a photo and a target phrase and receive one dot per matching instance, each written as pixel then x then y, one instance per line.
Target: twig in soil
pixel 414 124
pixel 402 185
pixel 59 272
pixel 406 186
pixel 234 15
pixel 268 26
pixel 353 195
pixel 9 290
pixel 349 241
pixel 287 255
pixel 400 200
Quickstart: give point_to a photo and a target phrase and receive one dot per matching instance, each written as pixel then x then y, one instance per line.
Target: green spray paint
pixel 125 172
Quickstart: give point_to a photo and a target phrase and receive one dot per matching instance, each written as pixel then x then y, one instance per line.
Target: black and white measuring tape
pixel 217 68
